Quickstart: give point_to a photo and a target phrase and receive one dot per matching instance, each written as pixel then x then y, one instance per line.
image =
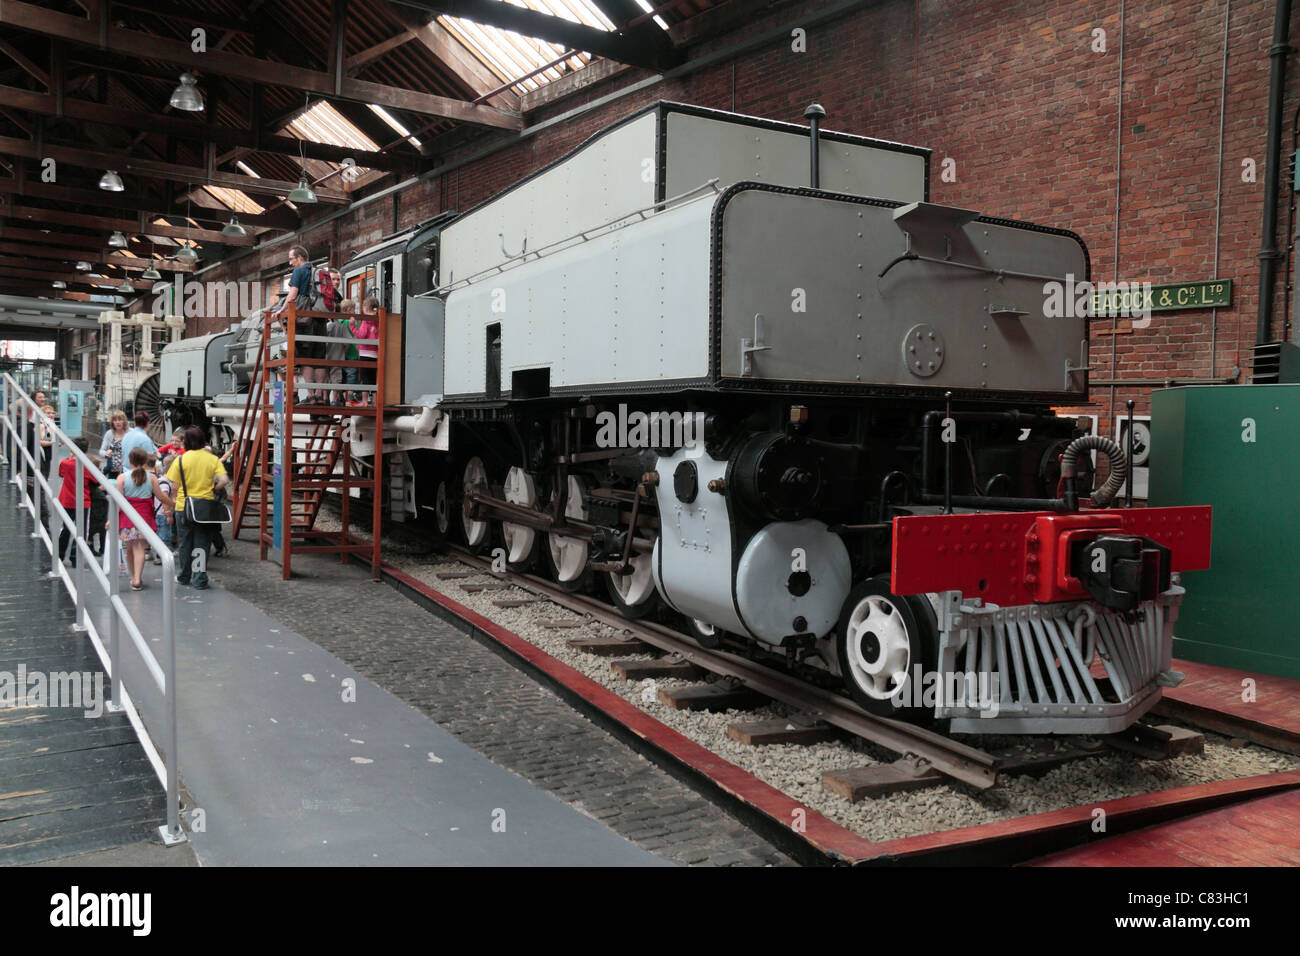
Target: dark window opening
pixel 530 383
pixel 494 360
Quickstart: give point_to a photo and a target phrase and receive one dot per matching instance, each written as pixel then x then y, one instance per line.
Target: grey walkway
pixel 69 783
pixel 294 758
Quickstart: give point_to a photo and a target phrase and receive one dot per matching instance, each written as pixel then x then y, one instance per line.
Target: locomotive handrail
pixel 582 234
pixel 910 256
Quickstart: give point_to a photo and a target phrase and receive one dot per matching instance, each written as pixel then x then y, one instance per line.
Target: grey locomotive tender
pixel 869 484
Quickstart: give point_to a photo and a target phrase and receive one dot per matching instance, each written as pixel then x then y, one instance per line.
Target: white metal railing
pixel 19 416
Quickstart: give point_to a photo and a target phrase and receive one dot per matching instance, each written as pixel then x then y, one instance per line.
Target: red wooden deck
pixel 1260 832
pixel 1271 718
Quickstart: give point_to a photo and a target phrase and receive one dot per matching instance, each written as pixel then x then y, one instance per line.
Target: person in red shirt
pixel 175 447
pixel 329 292
pixel 68 498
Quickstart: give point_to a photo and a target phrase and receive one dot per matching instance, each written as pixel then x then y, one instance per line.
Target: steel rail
pixel 970 765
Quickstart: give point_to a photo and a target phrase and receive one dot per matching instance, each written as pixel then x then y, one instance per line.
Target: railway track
pixel 921 748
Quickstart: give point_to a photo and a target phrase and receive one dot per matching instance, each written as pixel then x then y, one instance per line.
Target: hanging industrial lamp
pixel 117 241
pixel 187 253
pixel 233 228
pixel 126 286
pixel 59 284
pixel 111 181
pixel 187 96
pixel 83 266
pixel 303 193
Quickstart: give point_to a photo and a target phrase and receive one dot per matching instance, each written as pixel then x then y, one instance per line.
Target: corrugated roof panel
pixel 511 55
pixel 235 199
pixel 324 124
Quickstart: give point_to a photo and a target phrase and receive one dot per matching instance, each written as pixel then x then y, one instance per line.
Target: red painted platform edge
pixel 1056 820
pixel 827 836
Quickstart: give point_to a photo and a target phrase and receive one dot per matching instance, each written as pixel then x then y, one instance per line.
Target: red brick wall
pixel 1015 94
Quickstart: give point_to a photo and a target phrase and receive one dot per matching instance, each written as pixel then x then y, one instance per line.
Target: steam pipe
pixel 814 114
pixel 1268 254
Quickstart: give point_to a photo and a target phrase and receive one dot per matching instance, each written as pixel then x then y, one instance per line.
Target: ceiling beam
pixel 27 16
pixel 79 255
pixel 138 226
pixel 44 104
pixel 151 169
pixel 32 70
pixel 92 244
pixel 570 35
pixel 190 13
pixel 646 31
pixel 453 55
pixel 37 277
pixel 280 219
pixel 359 61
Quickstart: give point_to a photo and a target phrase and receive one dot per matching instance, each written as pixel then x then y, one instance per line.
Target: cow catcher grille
pixel 1029 669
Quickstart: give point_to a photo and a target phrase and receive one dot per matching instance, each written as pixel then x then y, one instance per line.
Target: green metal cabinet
pixel 1236 448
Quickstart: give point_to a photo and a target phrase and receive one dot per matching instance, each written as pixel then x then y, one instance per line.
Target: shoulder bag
pixel 202 510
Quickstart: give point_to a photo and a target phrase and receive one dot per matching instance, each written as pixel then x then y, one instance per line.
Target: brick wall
pixel 1016 95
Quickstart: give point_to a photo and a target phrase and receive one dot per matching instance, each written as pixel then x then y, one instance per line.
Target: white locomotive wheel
pixel 879 649
pixel 475 479
pixel 520 539
pixel 634 594
pixel 883 642
pixel 568 554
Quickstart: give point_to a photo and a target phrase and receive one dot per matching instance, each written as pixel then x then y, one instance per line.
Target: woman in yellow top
pixel 198 474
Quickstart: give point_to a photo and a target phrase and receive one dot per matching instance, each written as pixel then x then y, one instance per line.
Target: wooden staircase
pixel 317 457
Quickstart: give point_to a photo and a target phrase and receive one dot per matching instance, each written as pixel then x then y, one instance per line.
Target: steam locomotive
pixel 859 472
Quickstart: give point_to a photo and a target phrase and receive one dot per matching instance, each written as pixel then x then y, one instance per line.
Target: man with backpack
pixel 305 298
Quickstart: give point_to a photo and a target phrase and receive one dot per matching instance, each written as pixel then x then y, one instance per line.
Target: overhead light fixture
pixel 83 266
pixel 187 96
pixel 303 191
pixel 151 274
pixel 111 181
pixel 117 241
pixel 126 286
pixel 187 254
pixel 59 284
pixel 233 228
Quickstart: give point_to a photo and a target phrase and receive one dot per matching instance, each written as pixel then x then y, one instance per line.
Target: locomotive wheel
pixel 883 641
pixel 478 533
pixel 705 633
pixel 634 594
pixel 566 558
pixel 446 511
pixel 521 541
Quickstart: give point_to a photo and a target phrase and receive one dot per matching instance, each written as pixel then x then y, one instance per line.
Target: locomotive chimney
pixel 814 115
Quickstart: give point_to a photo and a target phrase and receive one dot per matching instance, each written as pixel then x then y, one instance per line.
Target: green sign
pixel 1123 298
